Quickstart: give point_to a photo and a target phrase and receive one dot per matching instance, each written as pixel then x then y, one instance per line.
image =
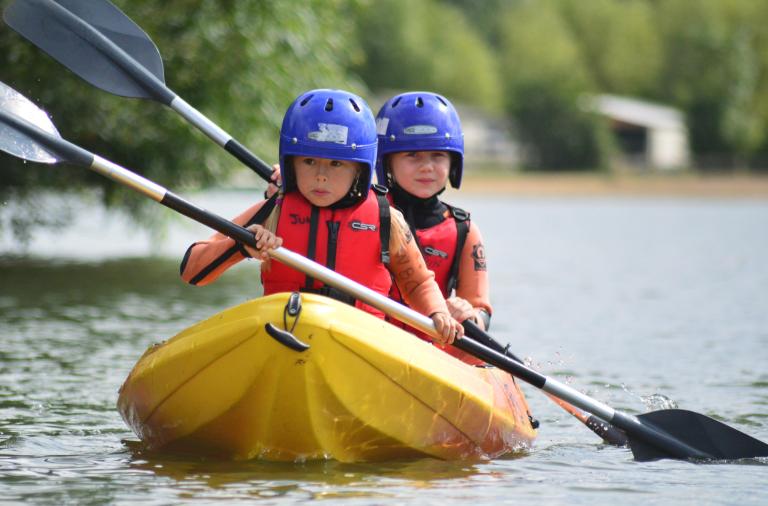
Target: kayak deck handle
pixel 285 338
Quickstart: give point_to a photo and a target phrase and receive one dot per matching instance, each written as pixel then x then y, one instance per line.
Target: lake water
pixel 640 303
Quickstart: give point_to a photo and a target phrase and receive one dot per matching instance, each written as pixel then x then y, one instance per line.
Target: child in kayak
pixel 421 149
pixel 328 212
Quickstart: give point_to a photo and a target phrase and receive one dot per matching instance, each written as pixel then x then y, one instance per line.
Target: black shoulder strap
pixel 312 244
pixel 259 218
pixel 385 221
pixel 462 230
pixel 262 214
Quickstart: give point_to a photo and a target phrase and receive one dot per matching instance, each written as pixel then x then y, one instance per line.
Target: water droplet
pixel 658 401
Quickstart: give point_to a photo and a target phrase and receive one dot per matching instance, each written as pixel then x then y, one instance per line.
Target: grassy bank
pixel 558 184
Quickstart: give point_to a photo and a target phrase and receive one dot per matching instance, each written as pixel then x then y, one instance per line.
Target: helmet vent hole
pixel 329 105
pixel 419 102
pixel 441 100
pixel 354 104
pixel 307 99
pixel 397 101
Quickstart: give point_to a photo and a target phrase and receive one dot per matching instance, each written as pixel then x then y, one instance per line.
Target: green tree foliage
pixel 484 16
pixel 546 78
pixel 707 57
pixel 617 42
pixel 240 63
pixel 427 45
pixel 714 68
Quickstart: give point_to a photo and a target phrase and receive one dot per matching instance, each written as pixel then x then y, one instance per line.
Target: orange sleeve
pixel 473 275
pixel 416 282
pixel 206 260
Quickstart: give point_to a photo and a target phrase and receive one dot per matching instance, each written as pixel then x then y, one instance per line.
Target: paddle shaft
pixel 154 87
pixel 66 151
pixel 606 431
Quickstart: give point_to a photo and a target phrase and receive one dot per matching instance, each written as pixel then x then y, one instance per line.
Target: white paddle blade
pixel 17 143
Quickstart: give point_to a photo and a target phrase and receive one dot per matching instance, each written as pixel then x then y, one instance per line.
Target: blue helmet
pixel 331 124
pixel 419 121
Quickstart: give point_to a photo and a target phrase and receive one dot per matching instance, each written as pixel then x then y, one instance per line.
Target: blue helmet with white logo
pixel 419 121
pixel 332 124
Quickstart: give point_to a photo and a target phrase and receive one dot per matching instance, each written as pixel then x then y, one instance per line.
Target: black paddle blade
pixel 700 432
pixel 72 33
pixel 15 107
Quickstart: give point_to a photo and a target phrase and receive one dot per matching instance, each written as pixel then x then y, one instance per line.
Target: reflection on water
pixel 321 479
pixel 638 303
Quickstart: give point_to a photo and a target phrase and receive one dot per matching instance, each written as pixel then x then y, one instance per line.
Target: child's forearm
pixel 416 282
pixel 473 283
pixel 426 298
pixel 205 261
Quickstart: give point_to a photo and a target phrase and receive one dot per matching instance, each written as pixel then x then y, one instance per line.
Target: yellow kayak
pixel 363 390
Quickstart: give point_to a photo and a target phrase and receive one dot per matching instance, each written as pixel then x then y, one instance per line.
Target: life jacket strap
pixel 462 230
pixel 334 293
pixel 312 245
pixel 385 221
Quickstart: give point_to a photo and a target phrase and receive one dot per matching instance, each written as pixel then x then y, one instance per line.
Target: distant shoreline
pixel 569 184
pixel 748 186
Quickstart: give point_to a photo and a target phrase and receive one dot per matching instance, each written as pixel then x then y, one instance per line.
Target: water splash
pixel 651 402
pixel 655 402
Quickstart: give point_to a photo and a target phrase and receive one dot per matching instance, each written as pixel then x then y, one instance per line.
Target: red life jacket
pixel 441 247
pixel 353 241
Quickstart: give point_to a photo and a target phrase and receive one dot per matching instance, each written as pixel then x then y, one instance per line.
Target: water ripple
pixel 670 311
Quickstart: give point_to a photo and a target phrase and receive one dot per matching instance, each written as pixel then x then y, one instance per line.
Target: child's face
pixel 421 173
pixel 323 181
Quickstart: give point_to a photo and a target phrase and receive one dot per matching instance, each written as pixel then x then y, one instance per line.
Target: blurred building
pixel 650 136
pixel 488 142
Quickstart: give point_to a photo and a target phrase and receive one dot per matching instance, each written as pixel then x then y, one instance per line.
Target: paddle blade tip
pixel 95 41
pixel 708 436
pixel 16 111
